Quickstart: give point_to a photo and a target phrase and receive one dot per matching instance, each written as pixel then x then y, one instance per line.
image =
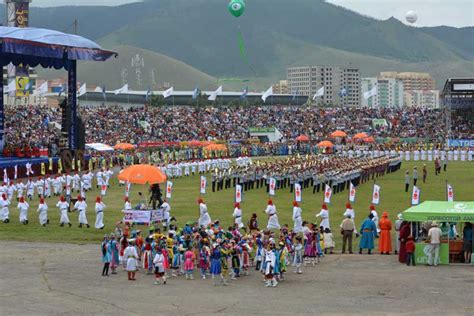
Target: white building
pixel 309 79
pixel 428 99
pixel 389 92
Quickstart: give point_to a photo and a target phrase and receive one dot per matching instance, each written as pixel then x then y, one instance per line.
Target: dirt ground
pixel 58 279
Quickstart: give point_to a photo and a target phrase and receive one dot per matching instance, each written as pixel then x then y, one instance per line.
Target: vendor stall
pixel 450 215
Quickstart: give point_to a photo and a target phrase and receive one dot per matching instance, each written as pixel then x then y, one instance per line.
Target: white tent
pixel 99 147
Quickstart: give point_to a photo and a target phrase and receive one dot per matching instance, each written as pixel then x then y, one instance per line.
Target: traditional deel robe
pixel 368 231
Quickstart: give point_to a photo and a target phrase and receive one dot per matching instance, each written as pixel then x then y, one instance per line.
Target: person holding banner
pixel 204 218
pixel 166 214
pixel 238 216
pixel 99 213
pixel 298 221
pixel 324 214
pixel 272 216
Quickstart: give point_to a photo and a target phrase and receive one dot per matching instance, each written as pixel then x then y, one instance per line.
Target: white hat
pixel 400 216
pixel 434 223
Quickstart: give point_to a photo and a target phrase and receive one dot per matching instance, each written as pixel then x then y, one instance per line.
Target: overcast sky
pixel 430 12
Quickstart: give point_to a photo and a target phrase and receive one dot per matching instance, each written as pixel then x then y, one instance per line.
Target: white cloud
pixel 456 13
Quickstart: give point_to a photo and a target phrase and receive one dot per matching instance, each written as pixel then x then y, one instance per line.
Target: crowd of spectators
pixel 34 126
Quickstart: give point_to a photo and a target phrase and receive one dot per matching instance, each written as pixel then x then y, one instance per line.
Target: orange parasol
pixel 124 146
pixel 369 139
pixel 338 134
pixel 142 174
pixel 302 138
pixel 215 147
pixel 360 136
pixel 325 143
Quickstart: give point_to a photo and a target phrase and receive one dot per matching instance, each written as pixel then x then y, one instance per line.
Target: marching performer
pixel 23 207
pixel 324 214
pixel 81 206
pixel 298 221
pixel 204 218
pixel 238 215
pixel 272 216
pixel 99 213
pixel 43 212
pixel 63 208
pixel 4 211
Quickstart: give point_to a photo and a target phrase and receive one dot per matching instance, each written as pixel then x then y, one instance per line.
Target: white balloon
pixel 411 17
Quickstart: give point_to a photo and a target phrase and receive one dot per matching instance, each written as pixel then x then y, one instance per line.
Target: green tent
pixel 440 211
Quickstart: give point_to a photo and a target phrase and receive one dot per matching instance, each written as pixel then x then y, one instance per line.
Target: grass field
pixel 220 204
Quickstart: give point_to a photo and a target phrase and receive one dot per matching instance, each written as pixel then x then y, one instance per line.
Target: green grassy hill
pixel 140 68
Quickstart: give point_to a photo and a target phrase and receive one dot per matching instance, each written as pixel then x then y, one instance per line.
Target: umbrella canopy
pixel 124 146
pixel 360 136
pixel 325 143
pixel 338 134
pixel 369 139
pixel 142 174
pixel 195 143
pixel 302 138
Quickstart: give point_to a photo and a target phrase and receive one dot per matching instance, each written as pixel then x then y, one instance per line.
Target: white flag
pixel 266 94
pixel 5 176
pixel 15 176
pixel 352 193
pixel 450 193
pixel 169 189
pixel 82 90
pixel 168 93
pixel 372 92
pixel 213 95
pixel 42 89
pixel 298 195
pixel 29 169
pixel 124 89
pixel 319 93
pixel 238 193
pixel 376 195
pixel 11 87
pixel 127 189
pixel 272 186
pixel 415 196
pixel 203 185
pixel 327 194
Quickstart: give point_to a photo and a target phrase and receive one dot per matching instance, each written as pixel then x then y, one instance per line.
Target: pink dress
pixel 189 260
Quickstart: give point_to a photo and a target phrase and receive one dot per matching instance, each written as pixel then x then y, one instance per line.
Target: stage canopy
pixel 48 48
pixel 440 211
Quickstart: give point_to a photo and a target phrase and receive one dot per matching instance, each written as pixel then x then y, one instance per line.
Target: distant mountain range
pixel 277 34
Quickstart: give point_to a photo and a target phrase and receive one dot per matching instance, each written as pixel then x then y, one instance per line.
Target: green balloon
pixel 236 7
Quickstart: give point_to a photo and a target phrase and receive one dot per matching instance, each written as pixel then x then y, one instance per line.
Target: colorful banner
pixel 467 143
pixel 157 215
pixel 376 195
pixel 127 189
pixel 327 194
pixel 203 185
pixel 22 86
pixel 415 196
pixel 423 250
pixel 272 186
pixel 169 189
pixel 238 193
pixel 136 217
pixel 298 194
pixel 450 193
pixel 352 193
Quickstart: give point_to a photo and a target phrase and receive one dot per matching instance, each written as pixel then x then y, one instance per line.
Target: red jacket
pixel 410 246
